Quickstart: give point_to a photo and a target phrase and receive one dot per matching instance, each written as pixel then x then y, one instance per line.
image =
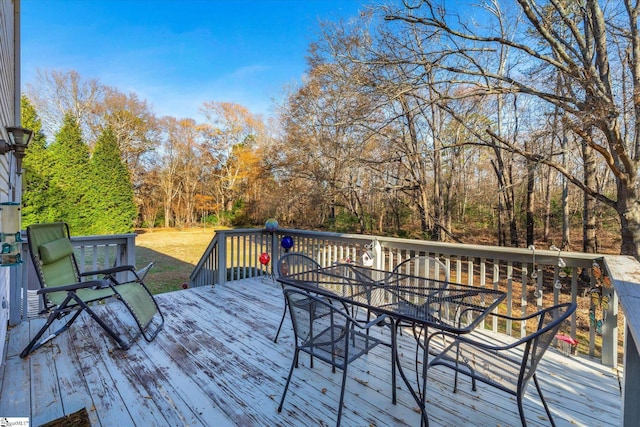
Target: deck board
pixel 215 364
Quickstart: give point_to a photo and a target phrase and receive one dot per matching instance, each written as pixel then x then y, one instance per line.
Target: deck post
pixel 127 255
pixel 222 258
pixel 630 385
pixel 17 295
pixel 625 274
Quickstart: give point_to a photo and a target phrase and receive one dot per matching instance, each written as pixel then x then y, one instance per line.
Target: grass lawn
pixel 174 252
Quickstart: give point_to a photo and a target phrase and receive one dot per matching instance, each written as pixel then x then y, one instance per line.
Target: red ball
pixel 185 285
pixel 264 258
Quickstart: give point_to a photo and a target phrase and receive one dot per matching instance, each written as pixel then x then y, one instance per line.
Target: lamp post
pixel 19 139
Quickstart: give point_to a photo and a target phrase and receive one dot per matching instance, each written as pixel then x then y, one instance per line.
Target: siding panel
pixel 8 95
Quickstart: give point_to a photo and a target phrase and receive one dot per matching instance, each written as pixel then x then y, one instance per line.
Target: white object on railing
pixel 368 256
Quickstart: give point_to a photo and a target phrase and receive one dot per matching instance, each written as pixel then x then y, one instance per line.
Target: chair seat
pixel 329 345
pixel 86 295
pixel 138 300
pixel 499 369
pixel 412 310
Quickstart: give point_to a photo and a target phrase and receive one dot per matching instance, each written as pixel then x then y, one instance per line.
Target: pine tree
pixel 115 207
pixel 71 182
pixel 37 203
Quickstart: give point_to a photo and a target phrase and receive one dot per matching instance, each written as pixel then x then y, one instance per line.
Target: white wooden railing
pixel 92 253
pixel 559 276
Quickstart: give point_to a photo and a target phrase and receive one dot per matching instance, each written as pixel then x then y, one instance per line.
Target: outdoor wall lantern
pixel 18 140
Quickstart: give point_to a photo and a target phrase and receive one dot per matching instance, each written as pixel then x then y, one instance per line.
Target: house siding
pixel 9 116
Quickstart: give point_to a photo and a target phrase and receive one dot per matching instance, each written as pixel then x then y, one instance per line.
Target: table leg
pixel 394 358
pixel 420 398
pixel 425 361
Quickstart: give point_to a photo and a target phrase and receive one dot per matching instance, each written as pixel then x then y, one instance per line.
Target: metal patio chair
pixel 335 338
pixel 65 293
pixel 291 263
pixel 507 367
pixel 424 267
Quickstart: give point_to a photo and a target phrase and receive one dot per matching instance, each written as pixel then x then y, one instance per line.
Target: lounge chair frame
pixel 70 295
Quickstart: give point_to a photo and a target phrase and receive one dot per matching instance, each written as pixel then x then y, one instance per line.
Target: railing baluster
pixel 523 296
pixel 509 299
pixel 496 280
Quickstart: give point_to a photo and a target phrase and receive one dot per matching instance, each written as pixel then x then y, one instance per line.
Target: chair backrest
pixel 424 266
pixel 295 262
pixel 313 317
pixel 549 322
pixel 52 255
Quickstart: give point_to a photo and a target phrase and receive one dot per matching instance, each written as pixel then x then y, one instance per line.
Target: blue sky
pixel 177 54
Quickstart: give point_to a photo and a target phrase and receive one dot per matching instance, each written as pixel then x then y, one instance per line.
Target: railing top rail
pixel 203 259
pixel 543 256
pixel 104 239
pixel 625 278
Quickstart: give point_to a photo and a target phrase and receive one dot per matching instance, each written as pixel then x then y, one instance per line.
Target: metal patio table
pixel 407 300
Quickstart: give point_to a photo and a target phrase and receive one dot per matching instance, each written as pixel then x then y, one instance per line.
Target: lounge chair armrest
pixel 111 270
pixel 93 284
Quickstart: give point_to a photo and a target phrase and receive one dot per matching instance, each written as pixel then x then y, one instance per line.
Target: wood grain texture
pixel 215 364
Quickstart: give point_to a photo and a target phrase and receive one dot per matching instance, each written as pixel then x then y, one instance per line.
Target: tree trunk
pixel 566 241
pixel 589 241
pixel 438 210
pixel 167 215
pixel 530 202
pixel 423 209
pixel 510 198
pixel 628 209
pixel 547 205
pixel 502 236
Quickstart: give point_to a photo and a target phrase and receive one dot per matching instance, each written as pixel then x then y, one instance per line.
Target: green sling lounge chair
pixel 64 291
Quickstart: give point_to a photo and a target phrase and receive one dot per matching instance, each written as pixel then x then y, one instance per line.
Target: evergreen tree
pixel 37 203
pixel 113 192
pixel 71 180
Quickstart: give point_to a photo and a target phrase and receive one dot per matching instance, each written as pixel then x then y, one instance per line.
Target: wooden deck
pixel 215 364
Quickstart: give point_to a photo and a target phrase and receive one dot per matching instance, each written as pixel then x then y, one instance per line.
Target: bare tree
pixel 168 166
pixel 582 56
pixel 230 133
pixel 134 124
pixel 56 93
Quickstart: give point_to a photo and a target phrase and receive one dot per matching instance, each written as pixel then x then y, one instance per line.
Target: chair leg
pixel 151 335
pixel 394 359
pixel 523 421
pixel 284 314
pixel 344 383
pixel 294 363
pixel 544 402
pixel 35 344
